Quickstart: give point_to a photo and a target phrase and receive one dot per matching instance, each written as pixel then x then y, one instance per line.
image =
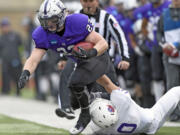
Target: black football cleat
pixel 67 112
pixel 81 124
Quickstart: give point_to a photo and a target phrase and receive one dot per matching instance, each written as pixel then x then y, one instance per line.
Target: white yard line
pixel 36 111
pixel 172 124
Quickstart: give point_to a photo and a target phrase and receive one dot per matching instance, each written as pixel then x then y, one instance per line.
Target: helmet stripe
pixel 45 7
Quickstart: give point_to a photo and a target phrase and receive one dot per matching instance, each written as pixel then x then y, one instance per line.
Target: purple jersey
pixel 140 12
pixel 154 12
pixel 77 28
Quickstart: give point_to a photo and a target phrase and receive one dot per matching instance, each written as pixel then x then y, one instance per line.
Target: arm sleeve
pixel 119 37
pixel 80 25
pixel 121 99
pixel 39 37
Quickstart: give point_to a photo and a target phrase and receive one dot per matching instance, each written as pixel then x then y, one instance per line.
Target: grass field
pixel 11 126
pixel 169 131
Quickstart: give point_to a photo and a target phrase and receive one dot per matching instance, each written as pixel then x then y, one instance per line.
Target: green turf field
pixel 11 126
pixel 169 131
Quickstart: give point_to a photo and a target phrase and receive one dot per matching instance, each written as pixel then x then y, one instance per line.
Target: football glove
pixel 23 79
pixel 83 54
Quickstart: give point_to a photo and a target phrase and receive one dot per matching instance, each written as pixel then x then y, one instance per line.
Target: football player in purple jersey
pixel 60 32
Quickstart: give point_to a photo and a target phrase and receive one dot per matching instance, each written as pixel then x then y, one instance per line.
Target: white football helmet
pixel 54 11
pixel 103 113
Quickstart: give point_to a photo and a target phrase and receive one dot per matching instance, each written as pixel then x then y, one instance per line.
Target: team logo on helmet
pixel 110 108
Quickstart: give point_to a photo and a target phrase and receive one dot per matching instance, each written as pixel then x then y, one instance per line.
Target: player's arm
pixel 121 42
pixel 118 34
pixel 30 66
pixel 144 27
pixel 34 59
pixel 107 83
pixel 100 43
pixel 90 36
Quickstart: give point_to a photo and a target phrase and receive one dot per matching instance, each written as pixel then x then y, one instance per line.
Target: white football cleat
pixel 76 130
pixel 81 124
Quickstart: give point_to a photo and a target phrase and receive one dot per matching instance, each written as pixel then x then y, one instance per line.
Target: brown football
pixel 85 45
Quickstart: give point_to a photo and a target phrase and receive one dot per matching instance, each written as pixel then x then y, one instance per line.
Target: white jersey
pixel 135 119
pixel 132 118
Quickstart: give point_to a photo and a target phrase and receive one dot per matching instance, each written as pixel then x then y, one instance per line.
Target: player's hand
pixel 23 79
pixel 123 65
pixel 83 54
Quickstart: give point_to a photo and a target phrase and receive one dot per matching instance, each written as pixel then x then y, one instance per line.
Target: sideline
pixel 36 111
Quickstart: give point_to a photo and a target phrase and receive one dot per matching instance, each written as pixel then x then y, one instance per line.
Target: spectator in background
pixel 106 4
pixel 168 35
pixel 136 39
pixel 28 26
pixel 142 2
pixel 152 71
pixel 132 74
pixel 10 42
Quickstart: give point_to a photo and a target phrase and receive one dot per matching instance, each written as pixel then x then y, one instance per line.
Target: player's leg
pixel 166 105
pixel 15 74
pixel 82 96
pixel 39 75
pixel 5 78
pixel 85 73
pixel 157 72
pixel 145 80
pixel 64 99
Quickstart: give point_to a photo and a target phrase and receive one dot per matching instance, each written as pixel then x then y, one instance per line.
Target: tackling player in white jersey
pixel 122 115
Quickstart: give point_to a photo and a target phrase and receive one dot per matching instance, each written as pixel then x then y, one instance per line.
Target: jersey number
pixel 65 51
pixel 126 128
pixel 89 28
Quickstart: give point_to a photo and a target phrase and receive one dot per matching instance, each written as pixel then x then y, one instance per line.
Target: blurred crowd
pixel 150 73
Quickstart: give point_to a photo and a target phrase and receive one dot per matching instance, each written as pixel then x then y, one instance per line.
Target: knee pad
pixel 82 96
